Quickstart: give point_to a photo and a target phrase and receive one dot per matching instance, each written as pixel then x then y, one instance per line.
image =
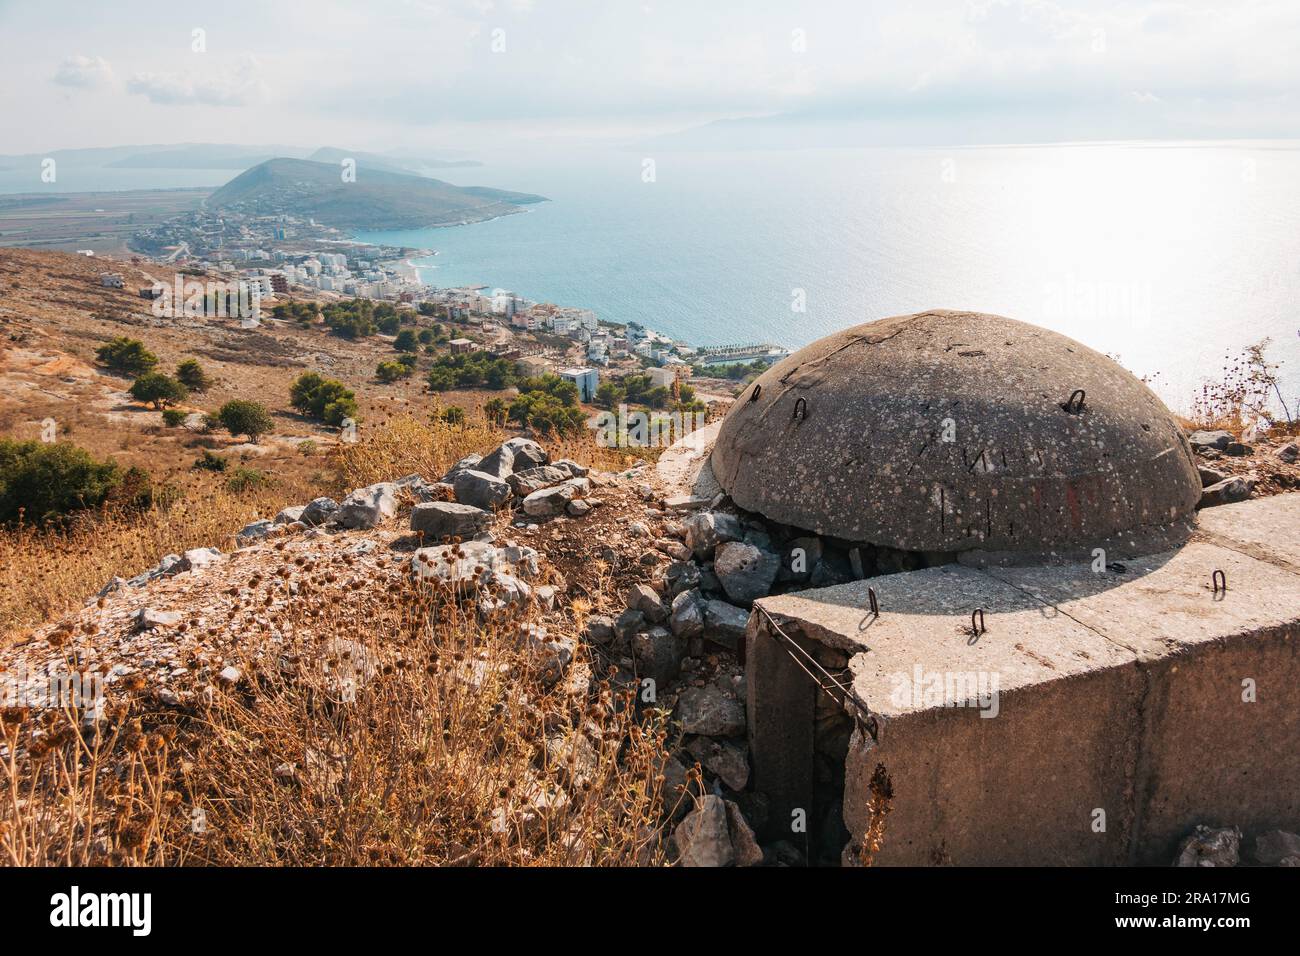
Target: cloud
pixel 84 72
pixel 241 85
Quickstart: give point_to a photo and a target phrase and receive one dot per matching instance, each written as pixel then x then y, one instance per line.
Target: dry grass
pixel 386 728
pixel 404 445
pixel 45 572
pixel 376 722
pixel 1246 395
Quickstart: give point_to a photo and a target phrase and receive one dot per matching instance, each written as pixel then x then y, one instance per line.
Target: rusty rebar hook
pixel 1215 578
pixel 1071 406
pixel 977 629
pixel 753 396
pixel 871 599
pixel 800 403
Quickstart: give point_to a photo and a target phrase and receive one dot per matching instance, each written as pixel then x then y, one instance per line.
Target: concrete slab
pixel 1267 528
pixel 1129 706
pixel 925 622
pixel 1164 603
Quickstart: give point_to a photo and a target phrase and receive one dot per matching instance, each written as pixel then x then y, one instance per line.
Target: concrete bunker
pixel 1057 677
pixel 953 431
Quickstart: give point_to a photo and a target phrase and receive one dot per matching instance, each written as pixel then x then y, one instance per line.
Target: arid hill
pixel 377 199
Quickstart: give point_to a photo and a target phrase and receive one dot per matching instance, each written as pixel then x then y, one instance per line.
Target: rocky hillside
pixel 537 584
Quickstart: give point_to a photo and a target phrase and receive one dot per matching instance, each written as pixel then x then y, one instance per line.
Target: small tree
pixel 326 399
pixel 408 340
pixel 240 417
pixel 442 379
pixel 453 415
pixel 391 371
pixel 496 411
pixel 158 390
pixel 191 374
pixel 174 417
pixel 127 355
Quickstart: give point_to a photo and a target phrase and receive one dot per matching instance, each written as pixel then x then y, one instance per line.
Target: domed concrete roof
pixel 951 431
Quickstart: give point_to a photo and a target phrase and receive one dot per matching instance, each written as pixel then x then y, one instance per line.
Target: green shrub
pixel 209 462
pixel 408 340
pixel 546 413
pixel 126 355
pixel 453 415
pixel 560 389
pixel 191 374
pixel 139 492
pixel 388 371
pixel 325 399
pixel 472 370
pixel 158 390
pixel 303 313
pixel 48 481
pixel 442 379
pixel 240 417
pixel 358 318
pixel 242 479
pixel 174 417
pixel 496 411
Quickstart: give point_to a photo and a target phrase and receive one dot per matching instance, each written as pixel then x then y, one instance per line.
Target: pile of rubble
pixel 198 623
pixel 1225 485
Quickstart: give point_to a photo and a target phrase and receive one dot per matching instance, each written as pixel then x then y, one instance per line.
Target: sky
pixel 465 75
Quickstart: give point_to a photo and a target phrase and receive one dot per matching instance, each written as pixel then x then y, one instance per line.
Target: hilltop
pixel 378 199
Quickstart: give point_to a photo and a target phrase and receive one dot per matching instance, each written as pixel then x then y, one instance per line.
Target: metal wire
pixel 860 712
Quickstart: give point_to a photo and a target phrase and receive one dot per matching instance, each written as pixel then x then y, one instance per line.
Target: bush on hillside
pixel 209 462
pixel 240 417
pixel 49 481
pixel 158 390
pixel 472 370
pixel 126 355
pixel 304 313
pixel 325 399
pixel 389 371
pixel 547 414
pixel 192 375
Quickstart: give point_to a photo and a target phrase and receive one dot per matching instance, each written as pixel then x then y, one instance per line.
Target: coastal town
pixel 273 259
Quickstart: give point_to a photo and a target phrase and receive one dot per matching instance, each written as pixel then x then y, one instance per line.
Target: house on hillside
pixel 585 378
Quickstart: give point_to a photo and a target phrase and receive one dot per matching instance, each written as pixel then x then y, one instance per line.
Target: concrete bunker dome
pixel 952 431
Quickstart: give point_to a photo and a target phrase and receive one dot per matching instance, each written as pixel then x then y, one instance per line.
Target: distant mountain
pixel 227 156
pixel 204 156
pixel 392 164
pixel 378 199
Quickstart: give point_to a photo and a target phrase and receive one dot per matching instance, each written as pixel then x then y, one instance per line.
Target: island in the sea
pixel 350 196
